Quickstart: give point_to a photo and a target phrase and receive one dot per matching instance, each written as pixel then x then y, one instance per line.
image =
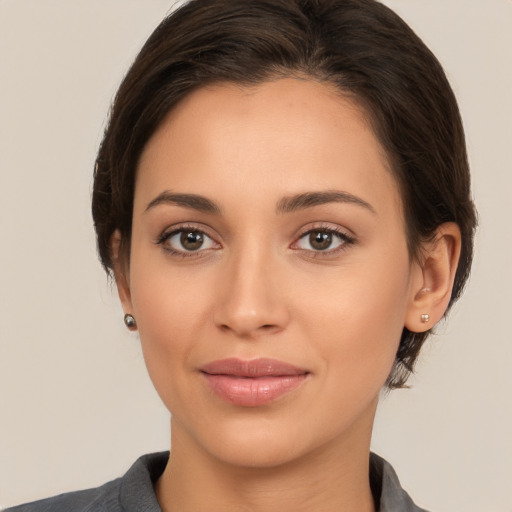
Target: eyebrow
pixel 287 204
pixel 193 201
pixel 311 199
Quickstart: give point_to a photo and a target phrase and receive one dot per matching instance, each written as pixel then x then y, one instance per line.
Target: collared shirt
pixel 134 491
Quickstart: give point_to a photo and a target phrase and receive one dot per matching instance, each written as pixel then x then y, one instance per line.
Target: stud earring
pixel 425 318
pixel 129 321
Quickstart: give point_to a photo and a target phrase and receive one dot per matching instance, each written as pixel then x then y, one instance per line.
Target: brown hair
pixel 360 46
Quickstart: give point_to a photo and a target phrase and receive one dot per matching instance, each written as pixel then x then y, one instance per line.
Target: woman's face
pixel 269 272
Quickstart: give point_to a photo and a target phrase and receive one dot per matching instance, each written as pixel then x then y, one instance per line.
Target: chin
pixel 265 442
pixel 250 442
pixel 256 455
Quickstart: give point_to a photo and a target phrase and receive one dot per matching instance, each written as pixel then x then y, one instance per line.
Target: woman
pixel 282 195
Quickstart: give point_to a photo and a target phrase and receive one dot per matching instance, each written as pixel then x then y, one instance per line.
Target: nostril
pixel 269 329
pixel 265 328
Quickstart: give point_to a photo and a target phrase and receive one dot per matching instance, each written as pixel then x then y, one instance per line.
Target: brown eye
pixel 320 240
pixel 323 240
pixel 187 241
pixel 191 240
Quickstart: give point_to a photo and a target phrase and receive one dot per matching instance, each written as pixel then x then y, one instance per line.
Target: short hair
pixel 361 47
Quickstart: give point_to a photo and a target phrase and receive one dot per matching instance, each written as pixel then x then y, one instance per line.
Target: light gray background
pixel 76 406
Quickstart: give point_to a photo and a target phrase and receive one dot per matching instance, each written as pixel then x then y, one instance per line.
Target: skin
pixel 257 287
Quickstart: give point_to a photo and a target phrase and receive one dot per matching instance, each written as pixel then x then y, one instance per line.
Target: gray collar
pixel 384 482
pixel 137 495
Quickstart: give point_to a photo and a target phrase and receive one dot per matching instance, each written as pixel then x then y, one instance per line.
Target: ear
pixel 433 277
pixel 121 273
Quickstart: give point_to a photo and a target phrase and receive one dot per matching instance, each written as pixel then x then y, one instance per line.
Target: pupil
pixel 191 240
pixel 320 240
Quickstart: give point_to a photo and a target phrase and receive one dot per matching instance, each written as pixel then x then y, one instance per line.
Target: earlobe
pixel 121 275
pixel 433 283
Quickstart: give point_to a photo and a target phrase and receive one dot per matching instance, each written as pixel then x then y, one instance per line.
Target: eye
pixel 187 240
pixel 322 240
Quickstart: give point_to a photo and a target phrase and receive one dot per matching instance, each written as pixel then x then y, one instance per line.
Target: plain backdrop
pixel 76 406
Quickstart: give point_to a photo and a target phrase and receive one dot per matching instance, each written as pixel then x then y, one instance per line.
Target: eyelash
pixel 167 235
pixel 345 239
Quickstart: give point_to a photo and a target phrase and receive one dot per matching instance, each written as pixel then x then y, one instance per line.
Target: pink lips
pixel 252 383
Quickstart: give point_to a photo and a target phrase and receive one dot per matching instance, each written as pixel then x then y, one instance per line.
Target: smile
pixel 252 383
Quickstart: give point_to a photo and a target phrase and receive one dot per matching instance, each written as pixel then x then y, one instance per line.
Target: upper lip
pixel 262 367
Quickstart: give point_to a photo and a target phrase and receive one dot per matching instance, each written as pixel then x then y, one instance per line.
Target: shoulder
pixel 132 492
pixel 387 489
pixel 99 499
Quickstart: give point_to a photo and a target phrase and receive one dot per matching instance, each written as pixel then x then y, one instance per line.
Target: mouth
pixel 252 383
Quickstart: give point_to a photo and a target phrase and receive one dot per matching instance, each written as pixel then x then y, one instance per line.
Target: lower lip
pixel 253 392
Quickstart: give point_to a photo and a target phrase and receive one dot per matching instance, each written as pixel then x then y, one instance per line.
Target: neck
pixel 334 477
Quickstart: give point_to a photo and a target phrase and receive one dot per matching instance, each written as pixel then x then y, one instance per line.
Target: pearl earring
pixel 129 321
pixel 425 318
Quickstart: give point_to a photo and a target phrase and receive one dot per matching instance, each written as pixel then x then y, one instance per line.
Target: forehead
pixel 287 135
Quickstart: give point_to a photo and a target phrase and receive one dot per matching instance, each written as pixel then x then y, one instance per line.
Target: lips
pixel 252 383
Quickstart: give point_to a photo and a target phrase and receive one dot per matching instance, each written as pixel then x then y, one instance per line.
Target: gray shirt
pixel 134 491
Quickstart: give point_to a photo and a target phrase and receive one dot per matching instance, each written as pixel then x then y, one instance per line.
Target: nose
pixel 251 300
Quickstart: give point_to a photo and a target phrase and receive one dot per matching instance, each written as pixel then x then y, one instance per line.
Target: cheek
pixel 165 299
pixel 356 319
pixel 170 311
pixel 167 304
